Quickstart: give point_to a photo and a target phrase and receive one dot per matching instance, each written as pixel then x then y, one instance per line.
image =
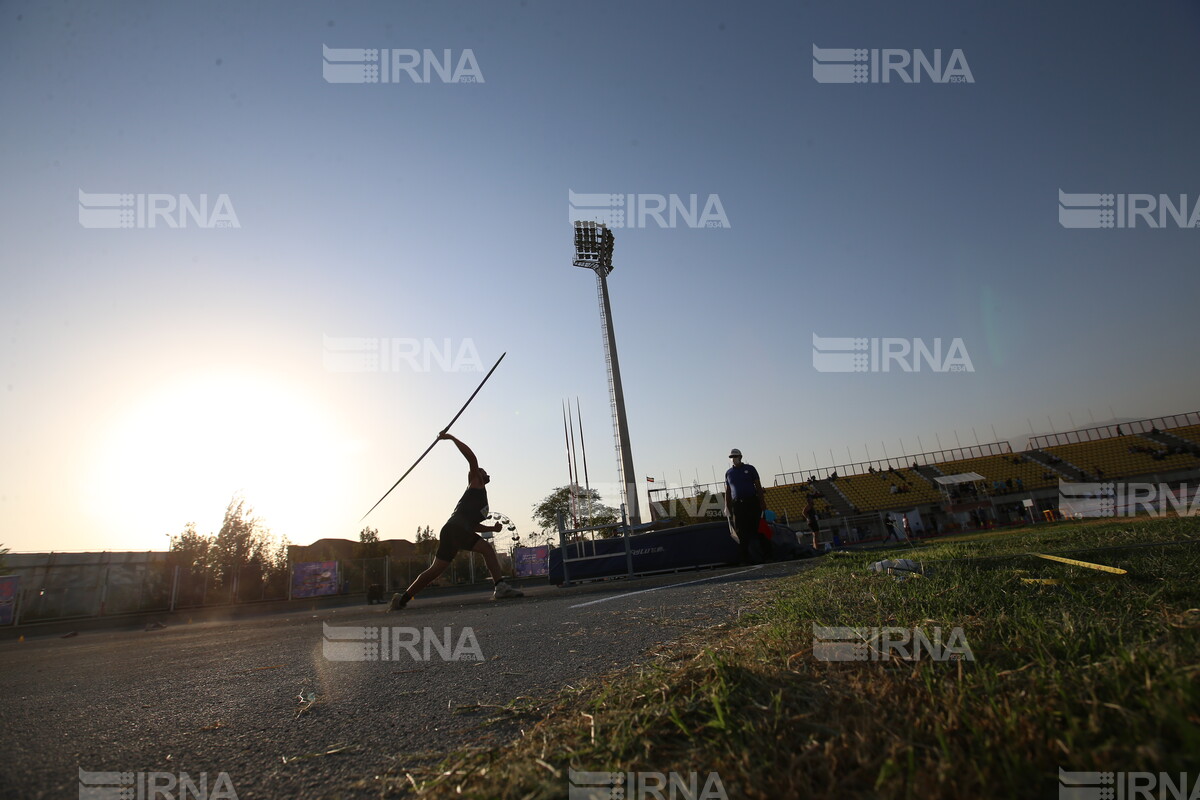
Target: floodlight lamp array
pixel 593 245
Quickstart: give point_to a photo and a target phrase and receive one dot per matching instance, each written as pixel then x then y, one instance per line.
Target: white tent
pixel 962 477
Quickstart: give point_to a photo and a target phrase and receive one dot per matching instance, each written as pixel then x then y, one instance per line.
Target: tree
pixel 236 543
pixel 369 545
pixel 243 547
pixel 278 557
pixel 190 549
pixel 426 542
pixel 591 510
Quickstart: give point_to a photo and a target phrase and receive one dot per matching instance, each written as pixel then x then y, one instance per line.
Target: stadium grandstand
pixel 967 487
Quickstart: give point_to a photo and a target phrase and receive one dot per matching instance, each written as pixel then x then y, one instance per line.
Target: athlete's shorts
pixel 454 538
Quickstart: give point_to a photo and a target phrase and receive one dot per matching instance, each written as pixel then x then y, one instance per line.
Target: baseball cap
pixel 735 452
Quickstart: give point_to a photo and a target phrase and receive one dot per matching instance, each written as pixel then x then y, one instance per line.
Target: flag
pixel 649 480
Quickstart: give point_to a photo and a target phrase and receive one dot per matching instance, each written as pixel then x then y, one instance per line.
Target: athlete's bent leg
pixel 488 552
pixel 424 579
pixel 502 589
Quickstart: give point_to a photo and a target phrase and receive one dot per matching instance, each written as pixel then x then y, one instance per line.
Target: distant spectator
pixel 894 490
pixel 890 525
pixel 907 527
pixel 814 526
pixel 1020 485
pixel 1008 484
pixel 833 475
pixel 914 466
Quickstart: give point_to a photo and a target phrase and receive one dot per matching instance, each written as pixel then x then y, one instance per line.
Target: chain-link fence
pixel 61 586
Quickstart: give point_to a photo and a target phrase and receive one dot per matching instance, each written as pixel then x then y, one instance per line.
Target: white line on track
pixel 668 586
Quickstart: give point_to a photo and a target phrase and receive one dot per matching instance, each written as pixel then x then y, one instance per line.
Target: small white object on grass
pixel 900 568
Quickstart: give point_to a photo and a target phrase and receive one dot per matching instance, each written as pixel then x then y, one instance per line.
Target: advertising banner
pixel 8 597
pixel 530 561
pixel 314 579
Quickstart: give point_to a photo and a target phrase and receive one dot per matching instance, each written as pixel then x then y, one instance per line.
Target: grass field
pixel 1097 672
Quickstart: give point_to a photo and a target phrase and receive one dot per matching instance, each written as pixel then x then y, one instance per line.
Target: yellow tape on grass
pixel 1085 564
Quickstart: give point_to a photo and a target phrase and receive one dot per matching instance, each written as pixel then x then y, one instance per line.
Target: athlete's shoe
pixel 398 603
pixel 503 590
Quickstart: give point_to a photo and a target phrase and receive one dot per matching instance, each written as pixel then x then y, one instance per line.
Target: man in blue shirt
pixel 744 504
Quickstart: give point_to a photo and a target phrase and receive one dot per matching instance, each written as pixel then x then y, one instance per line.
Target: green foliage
pixel 426 542
pixel 369 545
pixel 190 549
pixel 589 509
pixel 243 546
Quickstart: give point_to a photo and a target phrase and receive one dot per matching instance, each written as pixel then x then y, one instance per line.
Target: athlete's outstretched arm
pixel 462 448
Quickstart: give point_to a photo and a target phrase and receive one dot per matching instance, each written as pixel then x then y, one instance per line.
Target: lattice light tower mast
pixel 593 250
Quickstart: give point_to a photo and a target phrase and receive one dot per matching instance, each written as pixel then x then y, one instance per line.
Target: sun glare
pixel 180 455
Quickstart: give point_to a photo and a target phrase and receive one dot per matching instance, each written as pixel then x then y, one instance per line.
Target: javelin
pixel 435 441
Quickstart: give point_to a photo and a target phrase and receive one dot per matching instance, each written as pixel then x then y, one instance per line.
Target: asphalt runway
pixel 225 697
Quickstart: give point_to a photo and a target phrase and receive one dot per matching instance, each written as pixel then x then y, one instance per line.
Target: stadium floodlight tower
pixel 593 250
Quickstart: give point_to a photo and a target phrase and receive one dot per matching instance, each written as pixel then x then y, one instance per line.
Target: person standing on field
pixel 814 525
pixel 744 504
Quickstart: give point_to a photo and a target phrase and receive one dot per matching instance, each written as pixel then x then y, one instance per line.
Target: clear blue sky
pixel 148 374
